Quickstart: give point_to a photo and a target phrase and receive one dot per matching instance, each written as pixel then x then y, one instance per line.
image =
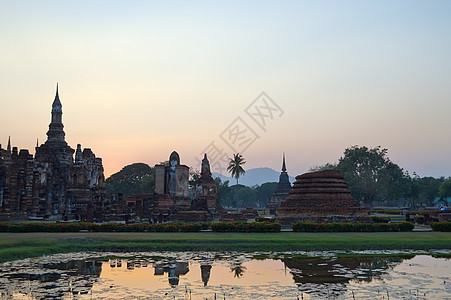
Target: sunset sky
pixel 139 79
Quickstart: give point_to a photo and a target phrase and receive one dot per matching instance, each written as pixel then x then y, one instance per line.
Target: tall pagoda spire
pixel 56 132
pixel 284 167
pixel 56 106
pixel 8 148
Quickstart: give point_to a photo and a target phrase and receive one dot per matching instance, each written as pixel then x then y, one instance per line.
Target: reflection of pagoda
pixel 282 190
pixel 205 273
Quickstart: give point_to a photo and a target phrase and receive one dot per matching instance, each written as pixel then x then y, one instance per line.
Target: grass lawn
pixel 21 245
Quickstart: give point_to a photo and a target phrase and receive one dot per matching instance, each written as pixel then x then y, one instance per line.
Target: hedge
pixel 441 226
pixel 216 227
pixel 246 227
pixel 351 227
pixel 106 227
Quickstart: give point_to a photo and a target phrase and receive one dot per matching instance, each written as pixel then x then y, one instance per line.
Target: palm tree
pixel 235 168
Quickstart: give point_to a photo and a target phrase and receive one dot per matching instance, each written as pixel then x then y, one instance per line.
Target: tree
pixel 137 178
pixel 263 193
pixel 235 168
pixel 222 190
pixel 445 188
pixel 429 188
pixel 412 189
pixel 371 175
pixel 327 166
pixel 244 196
pixel 194 176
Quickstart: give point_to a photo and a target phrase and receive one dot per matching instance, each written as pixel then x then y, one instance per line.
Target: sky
pixel 140 79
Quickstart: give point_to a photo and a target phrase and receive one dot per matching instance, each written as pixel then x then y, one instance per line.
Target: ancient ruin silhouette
pixel 51 185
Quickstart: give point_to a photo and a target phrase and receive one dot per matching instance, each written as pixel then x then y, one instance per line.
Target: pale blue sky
pixel 139 79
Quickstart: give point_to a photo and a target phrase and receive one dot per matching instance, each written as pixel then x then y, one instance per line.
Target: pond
pixel 190 275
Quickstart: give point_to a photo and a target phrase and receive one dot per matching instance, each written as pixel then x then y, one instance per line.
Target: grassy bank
pixel 21 245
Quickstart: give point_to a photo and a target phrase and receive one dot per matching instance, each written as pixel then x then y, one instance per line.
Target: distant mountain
pixel 254 176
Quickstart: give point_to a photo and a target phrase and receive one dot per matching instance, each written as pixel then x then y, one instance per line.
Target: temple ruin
pixel 51 185
pixel 321 197
pixel 172 200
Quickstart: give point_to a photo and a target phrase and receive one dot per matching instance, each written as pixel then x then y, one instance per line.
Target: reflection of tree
pixel 238 270
pixel 320 270
pixel 373 268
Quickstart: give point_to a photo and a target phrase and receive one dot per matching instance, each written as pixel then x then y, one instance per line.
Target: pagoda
pixel 282 190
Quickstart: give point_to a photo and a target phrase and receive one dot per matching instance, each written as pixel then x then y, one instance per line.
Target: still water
pixel 225 276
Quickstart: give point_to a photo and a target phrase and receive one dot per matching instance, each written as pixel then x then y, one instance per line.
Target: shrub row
pixel 246 227
pixel 351 227
pixel 107 227
pixel 441 226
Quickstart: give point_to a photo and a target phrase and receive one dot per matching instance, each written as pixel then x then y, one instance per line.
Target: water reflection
pixel 173 268
pixel 237 269
pixel 312 275
pixel 238 276
pixel 339 270
pixel 50 280
pixel 205 271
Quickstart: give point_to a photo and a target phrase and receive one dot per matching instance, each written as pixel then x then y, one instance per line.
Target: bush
pixel 246 227
pixel 351 227
pixel 171 228
pixel 441 226
pixel 109 227
pixel 265 219
pixel 157 227
pixel 4 227
pixel 404 226
pixel 191 227
pixel 380 219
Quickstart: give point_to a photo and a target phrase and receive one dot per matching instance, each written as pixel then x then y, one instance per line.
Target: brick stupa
pixel 321 197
